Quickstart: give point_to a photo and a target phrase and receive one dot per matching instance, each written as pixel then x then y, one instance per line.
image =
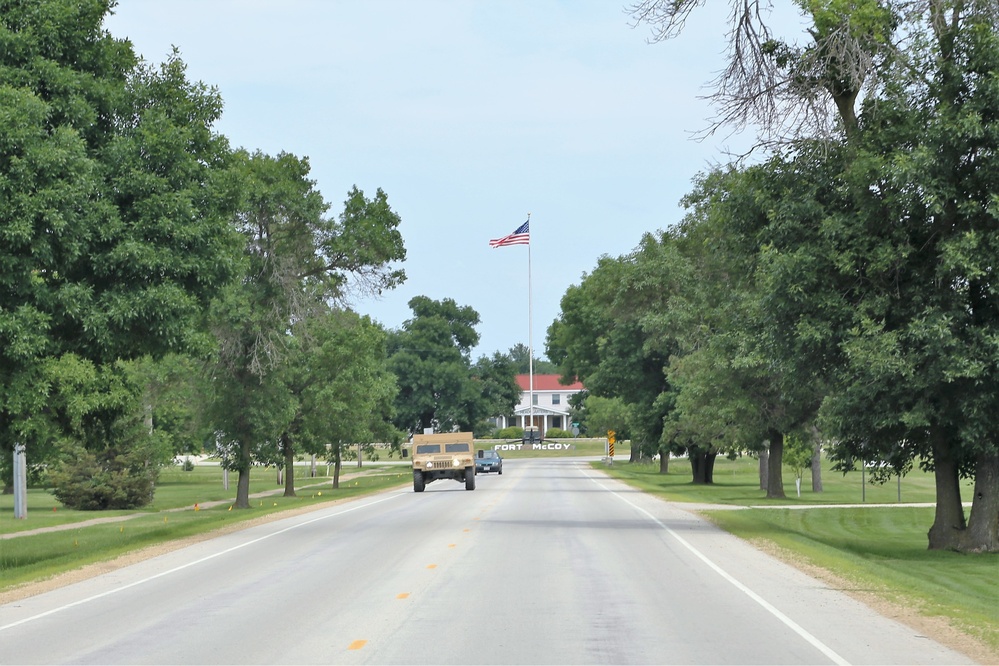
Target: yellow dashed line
pixel 357 645
pixel 431 566
pixel 451 545
pixel 403 595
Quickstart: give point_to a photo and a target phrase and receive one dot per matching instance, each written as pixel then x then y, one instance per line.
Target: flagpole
pixel 530 328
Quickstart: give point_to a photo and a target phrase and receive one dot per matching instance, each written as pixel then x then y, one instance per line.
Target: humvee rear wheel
pixel 469 478
pixel 418 483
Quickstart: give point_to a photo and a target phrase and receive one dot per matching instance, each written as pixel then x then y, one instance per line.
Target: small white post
pixel 20 483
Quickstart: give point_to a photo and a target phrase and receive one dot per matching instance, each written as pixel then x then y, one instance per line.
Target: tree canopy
pixel 298 264
pixel 846 281
pixel 114 214
pixel 439 387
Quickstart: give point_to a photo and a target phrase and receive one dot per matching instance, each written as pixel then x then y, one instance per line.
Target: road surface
pixel 552 563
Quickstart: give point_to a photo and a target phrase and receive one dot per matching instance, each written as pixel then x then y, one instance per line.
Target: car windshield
pixel 489 454
pixel 456 448
pixel 428 448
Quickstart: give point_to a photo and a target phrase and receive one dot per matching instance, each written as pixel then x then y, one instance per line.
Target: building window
pixel 556 399
pixel 535 398
pixel 557 422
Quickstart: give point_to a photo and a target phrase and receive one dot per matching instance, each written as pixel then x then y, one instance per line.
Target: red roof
pixel 546 383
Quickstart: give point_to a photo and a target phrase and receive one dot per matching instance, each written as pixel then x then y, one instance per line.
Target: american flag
pixel 522 236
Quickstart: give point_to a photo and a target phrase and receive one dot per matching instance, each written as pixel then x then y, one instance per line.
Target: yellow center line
pixel 402 595
pixel 431 566
pixel 357 645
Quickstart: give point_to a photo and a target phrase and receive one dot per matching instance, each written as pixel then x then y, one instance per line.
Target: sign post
pixel 611 439
pixel 20 483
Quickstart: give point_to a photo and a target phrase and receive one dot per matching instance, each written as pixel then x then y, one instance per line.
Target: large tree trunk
pixel 243 484
pixel 664 461
pixel 289 466
pixel 696 468
pixel 817 467
pixel 336 466
pixel 702 466
pixel 764 468
pixel 243 490
pixel 775 476
pixel 709 467
pixel 982 534
pixel 948 520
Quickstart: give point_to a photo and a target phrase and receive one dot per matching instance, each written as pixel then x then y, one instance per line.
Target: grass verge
pixel 876 551
pixel 32 557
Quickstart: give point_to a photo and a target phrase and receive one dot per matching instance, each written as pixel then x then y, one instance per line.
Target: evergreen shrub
pixel 109 479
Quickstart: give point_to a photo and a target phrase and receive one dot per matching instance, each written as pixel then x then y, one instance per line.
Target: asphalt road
pixel 550 563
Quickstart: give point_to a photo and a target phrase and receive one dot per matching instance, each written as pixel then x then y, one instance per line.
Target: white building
pixel 551 404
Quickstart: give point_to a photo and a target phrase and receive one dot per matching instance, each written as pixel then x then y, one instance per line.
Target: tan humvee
pixel 443 456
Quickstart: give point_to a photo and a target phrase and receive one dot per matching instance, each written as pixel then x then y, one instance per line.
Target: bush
pixel 513 432
pixel 188 465
pixel 558 433
pixel 120 476
pixel 109 480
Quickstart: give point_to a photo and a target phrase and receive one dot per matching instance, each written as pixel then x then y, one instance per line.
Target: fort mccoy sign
pixel 536 446
pixel 585 446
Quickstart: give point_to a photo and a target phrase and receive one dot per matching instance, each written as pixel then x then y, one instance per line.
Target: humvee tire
pixel 418 482
pixel 470 478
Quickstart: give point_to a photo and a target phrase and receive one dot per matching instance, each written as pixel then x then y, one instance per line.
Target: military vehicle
pixel 443 456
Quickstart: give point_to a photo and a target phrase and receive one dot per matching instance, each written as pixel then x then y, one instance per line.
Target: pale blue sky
pixel 469 114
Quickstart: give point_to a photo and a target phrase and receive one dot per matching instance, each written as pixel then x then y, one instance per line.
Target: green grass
pixel 881 550
pixel 738 482
pixel 175 488
pixel 34 557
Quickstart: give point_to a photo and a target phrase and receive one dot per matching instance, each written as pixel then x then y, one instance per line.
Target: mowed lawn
pixel 858 532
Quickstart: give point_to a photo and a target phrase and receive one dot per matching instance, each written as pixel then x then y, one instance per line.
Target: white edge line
pixel 191 564
pixel 791 624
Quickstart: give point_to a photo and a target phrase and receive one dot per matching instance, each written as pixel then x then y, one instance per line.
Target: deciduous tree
pixel 598 338
pixel 297 262
pixel 494 380
pixel 338 373
pixel 893 222
pixel 431 359
pixel 114 209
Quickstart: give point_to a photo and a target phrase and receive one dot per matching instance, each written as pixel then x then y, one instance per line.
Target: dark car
pixel 488 460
